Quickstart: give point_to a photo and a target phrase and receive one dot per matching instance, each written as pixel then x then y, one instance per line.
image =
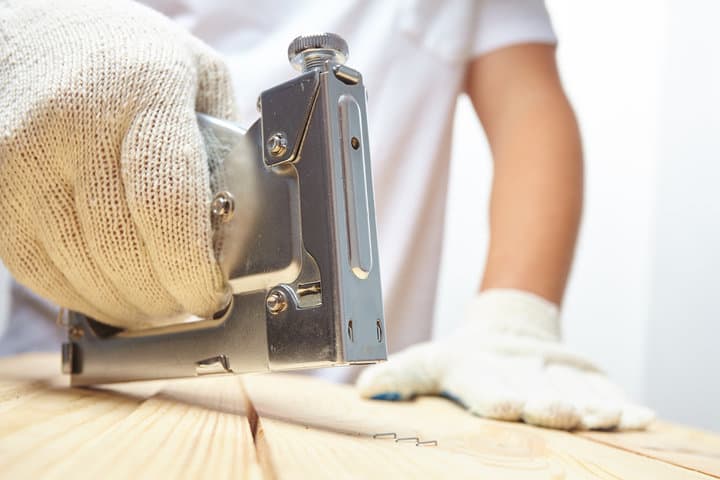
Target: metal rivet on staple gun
pixel 277 144
pixel 276 302
pixel 75 332
pixel 223 206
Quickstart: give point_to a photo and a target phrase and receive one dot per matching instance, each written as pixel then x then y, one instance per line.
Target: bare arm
pixel 537 188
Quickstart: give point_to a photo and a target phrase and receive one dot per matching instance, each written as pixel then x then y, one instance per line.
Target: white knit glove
pixel 104 182
pixel 506 363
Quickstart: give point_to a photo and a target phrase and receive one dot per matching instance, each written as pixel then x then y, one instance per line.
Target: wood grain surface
pixel 303 419
pixel 690 448
pixel 291 426
pixel 193 428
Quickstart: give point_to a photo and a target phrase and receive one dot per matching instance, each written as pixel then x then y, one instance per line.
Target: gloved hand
pixel 507 363
pixel 104 182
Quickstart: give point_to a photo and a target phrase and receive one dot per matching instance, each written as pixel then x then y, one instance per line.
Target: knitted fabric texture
pixel 513 312
pixel 104 181
pixel 506 362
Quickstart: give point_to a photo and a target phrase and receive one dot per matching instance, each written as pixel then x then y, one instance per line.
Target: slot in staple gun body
pixel 298 236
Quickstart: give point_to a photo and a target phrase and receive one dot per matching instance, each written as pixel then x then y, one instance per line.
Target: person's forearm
pixel 537 189
pixel 535 207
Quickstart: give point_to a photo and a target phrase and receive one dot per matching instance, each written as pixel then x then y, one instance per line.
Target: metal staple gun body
pixel 303 271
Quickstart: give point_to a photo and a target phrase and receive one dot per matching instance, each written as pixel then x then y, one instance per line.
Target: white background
pixel 643 300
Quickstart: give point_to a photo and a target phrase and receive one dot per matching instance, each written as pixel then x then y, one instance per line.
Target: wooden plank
pixel 690 448
pixel 178 429
pixel 304 428
pixel 310 429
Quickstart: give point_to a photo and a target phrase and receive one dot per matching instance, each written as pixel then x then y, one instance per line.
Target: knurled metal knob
pixel 309 52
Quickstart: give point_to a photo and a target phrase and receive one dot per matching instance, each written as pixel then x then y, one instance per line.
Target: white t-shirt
pixel 413 56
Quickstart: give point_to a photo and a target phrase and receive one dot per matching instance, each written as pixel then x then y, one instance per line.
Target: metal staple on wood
pixel 394 436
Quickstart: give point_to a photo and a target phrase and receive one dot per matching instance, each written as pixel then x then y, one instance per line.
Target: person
pixel 105 188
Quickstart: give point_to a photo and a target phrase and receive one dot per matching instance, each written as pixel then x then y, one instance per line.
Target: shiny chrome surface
pixel 309 52
pixel 223 206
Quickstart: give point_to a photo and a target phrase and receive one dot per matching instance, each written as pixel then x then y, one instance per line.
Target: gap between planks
pixel 262 451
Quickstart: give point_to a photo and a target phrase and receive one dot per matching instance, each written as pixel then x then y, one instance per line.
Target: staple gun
pixel 303 271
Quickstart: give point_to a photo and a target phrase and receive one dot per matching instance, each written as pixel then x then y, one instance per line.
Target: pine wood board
pixel 290 426
pixel 178 429
pixel 310 429
pixel 691 448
